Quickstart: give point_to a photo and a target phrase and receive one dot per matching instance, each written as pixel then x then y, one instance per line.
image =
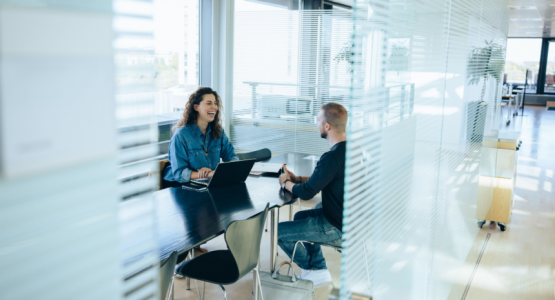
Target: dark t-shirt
pixel 328 177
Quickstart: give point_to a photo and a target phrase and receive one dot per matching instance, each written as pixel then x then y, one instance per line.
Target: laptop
pixel 228 173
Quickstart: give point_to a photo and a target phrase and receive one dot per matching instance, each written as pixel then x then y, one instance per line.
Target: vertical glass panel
pixel 425 89
pixel 550 69
pixel 524 54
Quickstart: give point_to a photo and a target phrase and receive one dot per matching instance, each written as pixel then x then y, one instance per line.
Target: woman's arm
pixel 228 152
pixel 179 160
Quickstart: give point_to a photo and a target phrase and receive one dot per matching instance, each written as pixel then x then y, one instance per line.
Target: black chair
pixel 258 155
pixel 166 276
pixel 224 267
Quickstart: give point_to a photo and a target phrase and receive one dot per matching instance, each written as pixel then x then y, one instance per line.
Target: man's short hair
pixel 336 115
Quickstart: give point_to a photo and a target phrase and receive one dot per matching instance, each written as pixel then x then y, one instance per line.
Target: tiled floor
pixel 520 262
pixel 517 264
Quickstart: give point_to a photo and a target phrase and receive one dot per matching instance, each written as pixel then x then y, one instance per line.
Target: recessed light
pixel 527 19
pixel 518 7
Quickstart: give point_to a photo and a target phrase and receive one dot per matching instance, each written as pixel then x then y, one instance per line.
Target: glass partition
pixel 425 87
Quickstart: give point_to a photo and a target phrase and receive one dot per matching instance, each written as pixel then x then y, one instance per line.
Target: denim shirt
pixel 186 153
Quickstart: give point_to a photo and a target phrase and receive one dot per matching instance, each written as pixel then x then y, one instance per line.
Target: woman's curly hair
pixel 190 115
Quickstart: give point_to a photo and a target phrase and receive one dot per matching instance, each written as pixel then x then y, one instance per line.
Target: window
pixel 172 56
pixel 523 54
pixel 156 63
pixel 287 63
pixel 550 69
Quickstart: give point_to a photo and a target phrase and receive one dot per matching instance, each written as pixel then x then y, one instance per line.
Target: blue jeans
pixel 308 225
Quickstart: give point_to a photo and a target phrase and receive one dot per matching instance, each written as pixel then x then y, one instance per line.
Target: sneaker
pixel 303 273
pixel 177 275
pixel 320 278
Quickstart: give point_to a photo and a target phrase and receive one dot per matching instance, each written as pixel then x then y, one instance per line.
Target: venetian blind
pixel 287 63
pixel 425 89
pixel 137 136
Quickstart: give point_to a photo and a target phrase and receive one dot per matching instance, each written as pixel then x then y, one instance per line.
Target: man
pixel 323 225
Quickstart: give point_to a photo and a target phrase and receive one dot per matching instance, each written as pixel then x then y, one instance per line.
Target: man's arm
pixel 323 174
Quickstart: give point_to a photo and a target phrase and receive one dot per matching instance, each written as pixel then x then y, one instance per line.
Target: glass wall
pixel 522 54
pixel 426 87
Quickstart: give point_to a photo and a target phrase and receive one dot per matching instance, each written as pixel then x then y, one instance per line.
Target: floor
pixel 520 262
pixel 517 264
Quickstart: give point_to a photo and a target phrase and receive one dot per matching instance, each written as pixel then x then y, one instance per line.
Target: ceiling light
pixel 521 7
pixel 527 19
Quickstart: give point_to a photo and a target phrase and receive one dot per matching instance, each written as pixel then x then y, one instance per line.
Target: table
pixel 185 219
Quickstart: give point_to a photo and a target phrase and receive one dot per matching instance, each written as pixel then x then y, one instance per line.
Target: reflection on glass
pixel 523 54
pixel 550 69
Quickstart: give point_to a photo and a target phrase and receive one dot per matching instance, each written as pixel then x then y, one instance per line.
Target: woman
pixel 199 141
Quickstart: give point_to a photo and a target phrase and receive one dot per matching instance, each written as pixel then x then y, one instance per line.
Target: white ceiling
pixel 532 18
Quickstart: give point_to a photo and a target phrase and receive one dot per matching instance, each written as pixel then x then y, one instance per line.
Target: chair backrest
pixel 166 273
pixel 161 166
pixel 258 155
pixel 243 240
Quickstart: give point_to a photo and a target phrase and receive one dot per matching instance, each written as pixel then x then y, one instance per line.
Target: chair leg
pixel 259 282
pixel 170 293
pixel 223 289
pixel 203 289
pixel 198 290
pixel 187 279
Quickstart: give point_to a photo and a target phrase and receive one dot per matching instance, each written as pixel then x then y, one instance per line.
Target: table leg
pixel 291 212
pixel 274 218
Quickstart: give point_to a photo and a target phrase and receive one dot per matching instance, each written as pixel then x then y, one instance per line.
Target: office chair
pixel 161 165
pixel 224 267
pixel 258 155
pixel 166 276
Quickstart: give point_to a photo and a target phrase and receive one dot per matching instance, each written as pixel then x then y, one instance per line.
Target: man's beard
pixel 323 135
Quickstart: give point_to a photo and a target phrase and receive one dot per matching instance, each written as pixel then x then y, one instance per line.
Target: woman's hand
pixel 211 174
pixel 203 173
